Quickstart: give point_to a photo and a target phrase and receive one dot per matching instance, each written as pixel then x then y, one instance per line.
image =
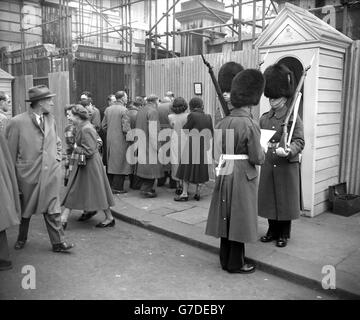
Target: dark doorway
pixel 98 77
pixel 296 67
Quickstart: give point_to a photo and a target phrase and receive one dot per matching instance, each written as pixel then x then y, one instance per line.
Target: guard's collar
pixel 241 112
pixel 279 113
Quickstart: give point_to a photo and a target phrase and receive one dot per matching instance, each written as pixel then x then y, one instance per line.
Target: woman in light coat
pixel 88 188
pixel 177 120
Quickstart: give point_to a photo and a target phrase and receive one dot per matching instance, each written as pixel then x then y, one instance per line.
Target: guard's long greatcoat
pixel 233 208
pixel 279 188
pixel 9 195
pixel 37 157
pixel 116 124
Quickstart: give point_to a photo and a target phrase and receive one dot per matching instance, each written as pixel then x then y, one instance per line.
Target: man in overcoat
pixel 164 108
pixel 95 116
pixel 35 150
pixel 149 168
pixel 4 108
pixel 110 101
pixel 279 188
pixel 135 181
pixel 9 201
pixel 116 124
pixel 233 209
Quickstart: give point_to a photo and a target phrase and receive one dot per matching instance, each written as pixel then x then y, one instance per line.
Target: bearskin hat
pixel 280 82
pixel 227 73
pixel 247 88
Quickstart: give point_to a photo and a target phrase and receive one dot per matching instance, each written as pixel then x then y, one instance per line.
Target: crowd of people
pixel 106 146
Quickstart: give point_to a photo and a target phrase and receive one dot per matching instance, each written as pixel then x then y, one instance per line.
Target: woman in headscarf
pixel 194 164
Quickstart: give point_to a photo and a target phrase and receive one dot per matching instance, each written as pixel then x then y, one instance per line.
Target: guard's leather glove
pixel 281 152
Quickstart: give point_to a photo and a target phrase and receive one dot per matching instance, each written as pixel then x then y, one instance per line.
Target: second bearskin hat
pixel 247 88
pixel 279 82
pixel 227 73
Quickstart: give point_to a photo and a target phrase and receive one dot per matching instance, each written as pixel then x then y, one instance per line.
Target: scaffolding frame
pixel 124 28
pixel 155 42
pixel 236 26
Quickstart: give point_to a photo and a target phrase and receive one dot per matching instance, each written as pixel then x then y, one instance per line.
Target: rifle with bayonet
pixel 293 109
pixel 223 103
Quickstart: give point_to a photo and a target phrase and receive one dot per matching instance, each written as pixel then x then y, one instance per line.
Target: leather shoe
pixel 87 215
pixel 62 247
pixel 106 225
pixel 267 238
pixel 281 242
pixel 197 197
pixel 246 268
pixel 181 198
pixel 19 245
pixel 114 191
pixel 149 194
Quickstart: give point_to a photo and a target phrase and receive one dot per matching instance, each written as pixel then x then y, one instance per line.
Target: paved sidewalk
pixel 327 239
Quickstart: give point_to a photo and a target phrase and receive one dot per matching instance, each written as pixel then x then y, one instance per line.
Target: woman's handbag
pixel 82 160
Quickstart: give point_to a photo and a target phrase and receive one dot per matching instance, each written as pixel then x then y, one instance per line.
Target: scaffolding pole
pixel 215 15
pixel 22 38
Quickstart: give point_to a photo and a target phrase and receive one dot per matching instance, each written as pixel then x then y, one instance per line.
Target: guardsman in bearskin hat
pixel 226 75
pixel 233 208
pixel 279 189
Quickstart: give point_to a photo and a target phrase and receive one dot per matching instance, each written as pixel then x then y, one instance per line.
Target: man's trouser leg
pixel 236 258
pixel 55 230
pixel 273 229
pixel 284 229
pixel 224 252
pixel 23 229
pixel 118 182
pixel 4 248
pixel 110 178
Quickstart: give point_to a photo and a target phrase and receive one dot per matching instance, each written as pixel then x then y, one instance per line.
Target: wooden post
pixel 21 86
pixel 59 84
pixel 240 26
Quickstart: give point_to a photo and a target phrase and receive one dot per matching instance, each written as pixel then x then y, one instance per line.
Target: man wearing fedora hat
pixel 36 152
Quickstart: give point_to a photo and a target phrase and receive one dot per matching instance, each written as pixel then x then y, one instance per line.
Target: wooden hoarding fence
pixel 350 139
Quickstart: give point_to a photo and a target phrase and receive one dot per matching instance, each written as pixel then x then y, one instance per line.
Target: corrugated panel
pixel 350 146
pixel 180 74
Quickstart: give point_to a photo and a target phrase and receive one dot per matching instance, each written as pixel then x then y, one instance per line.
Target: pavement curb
pixel 307 281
